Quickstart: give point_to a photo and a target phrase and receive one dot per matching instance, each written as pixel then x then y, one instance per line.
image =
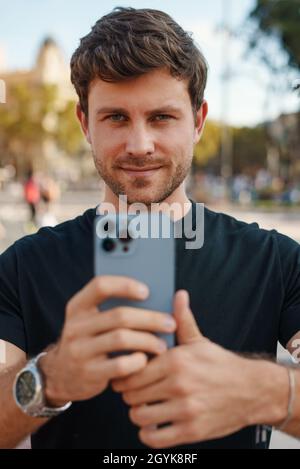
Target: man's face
pixel 142 134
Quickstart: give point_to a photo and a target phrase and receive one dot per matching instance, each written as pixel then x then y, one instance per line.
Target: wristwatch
pixel 29 391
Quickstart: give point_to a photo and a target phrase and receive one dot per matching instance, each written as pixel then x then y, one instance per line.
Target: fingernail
pixel 143 291
pixel 170 323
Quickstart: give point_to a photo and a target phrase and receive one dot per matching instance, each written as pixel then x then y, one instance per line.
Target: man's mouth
pixel 138 172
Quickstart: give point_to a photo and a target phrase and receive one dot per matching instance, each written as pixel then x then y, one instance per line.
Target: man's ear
pixel 200 121
pixel 83 122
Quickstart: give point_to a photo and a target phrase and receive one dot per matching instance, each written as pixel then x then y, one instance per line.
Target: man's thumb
pixel 187 327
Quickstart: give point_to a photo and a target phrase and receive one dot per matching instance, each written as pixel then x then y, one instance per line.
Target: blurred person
pixel 242 189
pixel 140 80
pixel 49 191
pixel 263 179
pixel 32 195
pixel 295 195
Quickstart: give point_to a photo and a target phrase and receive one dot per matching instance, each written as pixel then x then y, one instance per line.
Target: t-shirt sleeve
pixel 289 252
pixel 11 321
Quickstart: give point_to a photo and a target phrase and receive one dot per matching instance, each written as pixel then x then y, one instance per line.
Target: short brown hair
pixel 130 42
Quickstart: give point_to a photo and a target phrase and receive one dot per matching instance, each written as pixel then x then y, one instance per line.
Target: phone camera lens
pixel 108 245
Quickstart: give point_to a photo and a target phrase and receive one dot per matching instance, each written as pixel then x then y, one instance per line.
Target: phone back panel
pixel 148 260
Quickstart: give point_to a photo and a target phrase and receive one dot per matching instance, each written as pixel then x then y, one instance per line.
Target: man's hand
pixel 78 367
pixel 200 389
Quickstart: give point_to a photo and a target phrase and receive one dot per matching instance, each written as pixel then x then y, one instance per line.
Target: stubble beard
pixel 156 195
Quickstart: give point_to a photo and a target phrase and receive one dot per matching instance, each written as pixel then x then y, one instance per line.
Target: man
pixel 140 81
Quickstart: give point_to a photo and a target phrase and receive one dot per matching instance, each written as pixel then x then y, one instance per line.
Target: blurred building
pixel 49 68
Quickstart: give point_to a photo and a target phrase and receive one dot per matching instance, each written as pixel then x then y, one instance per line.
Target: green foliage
pixel 209 146
pixel 249 148
pixel 68 134
pixel 278 19
pixel 33 114
pixel 22 118
pixel 276 40
pixel 22 122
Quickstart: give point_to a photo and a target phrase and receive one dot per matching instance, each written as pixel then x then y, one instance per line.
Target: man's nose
pixel 139 141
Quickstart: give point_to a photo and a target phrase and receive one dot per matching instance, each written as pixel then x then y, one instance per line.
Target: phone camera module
pixel 108 245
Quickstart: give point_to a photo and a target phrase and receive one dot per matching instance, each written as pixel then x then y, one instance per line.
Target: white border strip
pixel 2 352
pixel 2 92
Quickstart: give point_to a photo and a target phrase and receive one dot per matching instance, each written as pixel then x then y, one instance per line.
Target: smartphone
pixel 141 247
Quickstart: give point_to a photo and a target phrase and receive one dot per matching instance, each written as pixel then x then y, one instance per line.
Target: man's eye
pixel 162 117
pixel 116 117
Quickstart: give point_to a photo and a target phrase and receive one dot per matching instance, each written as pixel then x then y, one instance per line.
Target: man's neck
pixel 176 205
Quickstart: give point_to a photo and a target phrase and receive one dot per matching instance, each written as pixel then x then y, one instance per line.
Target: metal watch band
pixel 49 411
pixel 39 409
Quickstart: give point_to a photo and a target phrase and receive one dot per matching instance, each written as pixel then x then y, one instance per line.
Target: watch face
pixel 25 388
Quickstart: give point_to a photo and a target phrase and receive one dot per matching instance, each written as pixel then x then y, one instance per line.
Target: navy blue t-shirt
pixel 244 286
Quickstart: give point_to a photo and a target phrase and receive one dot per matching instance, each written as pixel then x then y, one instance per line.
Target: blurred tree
pixel 209 146
pixel 249 148
pixel 276 38
pixel 68 133
pixel 22 126
pixel 279 19
pixel 34 115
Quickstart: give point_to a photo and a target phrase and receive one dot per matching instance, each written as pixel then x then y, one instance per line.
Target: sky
pixel 240 100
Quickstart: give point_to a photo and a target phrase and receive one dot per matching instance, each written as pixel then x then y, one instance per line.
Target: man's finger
pixel 120 366
pixel 155 414
pixel 124 317
pixel 154 393
pixel 120 340
pixel 187 327
pixel 103 287
pixel 155 371
pixel 165 437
